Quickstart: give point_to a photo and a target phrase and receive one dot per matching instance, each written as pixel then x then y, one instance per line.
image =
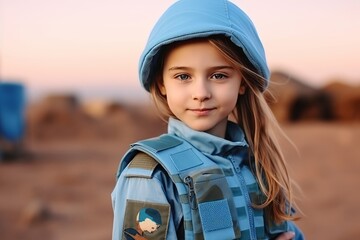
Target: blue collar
pixel 206 142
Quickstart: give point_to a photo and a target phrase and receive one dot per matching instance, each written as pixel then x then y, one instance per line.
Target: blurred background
pixel 70 105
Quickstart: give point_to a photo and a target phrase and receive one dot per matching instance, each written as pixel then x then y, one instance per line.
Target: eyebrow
pixel 176 68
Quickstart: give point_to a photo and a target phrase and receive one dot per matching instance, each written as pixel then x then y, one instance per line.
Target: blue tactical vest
pixel 206 198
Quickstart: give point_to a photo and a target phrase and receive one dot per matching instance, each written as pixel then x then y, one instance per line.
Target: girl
pixel 209 178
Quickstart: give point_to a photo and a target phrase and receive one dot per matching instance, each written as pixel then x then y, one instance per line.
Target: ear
pixel 242 89
pixel 162 88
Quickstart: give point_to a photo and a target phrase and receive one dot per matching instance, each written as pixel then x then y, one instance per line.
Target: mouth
pixel 201 111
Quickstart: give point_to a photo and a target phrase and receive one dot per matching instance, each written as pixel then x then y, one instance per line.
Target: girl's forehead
pixel 200 52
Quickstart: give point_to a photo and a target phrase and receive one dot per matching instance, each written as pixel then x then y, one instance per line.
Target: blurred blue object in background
pixel 12 113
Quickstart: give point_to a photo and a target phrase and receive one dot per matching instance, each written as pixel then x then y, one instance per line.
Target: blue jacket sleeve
pixel 134 196
pixel 298 234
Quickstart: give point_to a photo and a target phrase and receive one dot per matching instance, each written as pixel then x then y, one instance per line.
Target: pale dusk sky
pixel 93 46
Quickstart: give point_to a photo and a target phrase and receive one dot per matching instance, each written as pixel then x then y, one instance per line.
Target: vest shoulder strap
pixel 142 165
pixel 174 154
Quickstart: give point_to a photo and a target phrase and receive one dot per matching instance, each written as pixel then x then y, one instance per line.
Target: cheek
pixel 176 101
pixel 173 100
pixel 230 98
pixel 175 94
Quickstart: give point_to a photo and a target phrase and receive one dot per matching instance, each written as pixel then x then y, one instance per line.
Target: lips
pixel 201 111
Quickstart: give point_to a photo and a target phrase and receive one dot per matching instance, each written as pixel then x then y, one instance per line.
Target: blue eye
pixel 218 76
pixel 183 77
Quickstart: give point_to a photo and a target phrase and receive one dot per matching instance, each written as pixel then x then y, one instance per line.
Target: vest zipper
pixel 248 203
pixel 191 192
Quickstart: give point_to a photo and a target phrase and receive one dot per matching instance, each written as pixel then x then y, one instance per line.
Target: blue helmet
pixel 187 19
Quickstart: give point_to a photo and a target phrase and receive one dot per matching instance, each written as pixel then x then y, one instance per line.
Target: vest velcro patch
pixel 160 143
pixel 216 220
pixel 185 160
pixel 142 165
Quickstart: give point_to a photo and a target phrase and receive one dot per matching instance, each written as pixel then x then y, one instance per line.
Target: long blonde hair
pixel 254 116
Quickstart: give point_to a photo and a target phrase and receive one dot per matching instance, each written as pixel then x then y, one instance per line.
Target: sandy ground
pixel 63 190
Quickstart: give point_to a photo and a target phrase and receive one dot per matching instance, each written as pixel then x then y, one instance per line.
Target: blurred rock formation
pixel 64 117
pixel 345 100
pixel 291 99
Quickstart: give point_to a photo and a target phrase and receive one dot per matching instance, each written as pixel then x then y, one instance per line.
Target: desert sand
pixel 60 189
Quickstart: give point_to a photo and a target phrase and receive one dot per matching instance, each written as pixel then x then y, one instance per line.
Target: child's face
pixel 148 225
pixel 201 86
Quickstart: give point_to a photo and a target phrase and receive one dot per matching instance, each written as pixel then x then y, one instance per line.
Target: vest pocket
pixel 213 208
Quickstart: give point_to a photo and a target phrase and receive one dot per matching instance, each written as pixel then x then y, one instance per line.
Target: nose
pixel 201 90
